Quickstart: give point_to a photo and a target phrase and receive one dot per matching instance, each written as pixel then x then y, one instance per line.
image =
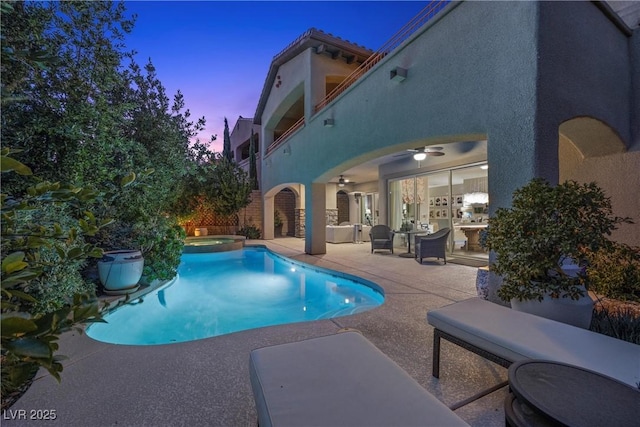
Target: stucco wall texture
pixel 507 72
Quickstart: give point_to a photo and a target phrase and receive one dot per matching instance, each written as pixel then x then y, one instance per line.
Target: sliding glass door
pixel 453 198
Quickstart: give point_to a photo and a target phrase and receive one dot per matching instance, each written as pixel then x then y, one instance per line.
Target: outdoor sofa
pixel 344 233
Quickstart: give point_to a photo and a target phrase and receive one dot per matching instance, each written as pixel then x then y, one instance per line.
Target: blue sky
pixel 218 53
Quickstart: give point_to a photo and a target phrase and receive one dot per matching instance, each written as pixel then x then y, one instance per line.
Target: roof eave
pixel 311 38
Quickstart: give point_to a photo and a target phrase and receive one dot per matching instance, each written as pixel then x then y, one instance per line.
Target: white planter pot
pixel 482 282
pixel 202 231
pixel 120 271
pixel 566 310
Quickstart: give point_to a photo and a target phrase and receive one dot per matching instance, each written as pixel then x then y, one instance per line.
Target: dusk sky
pixel 218 53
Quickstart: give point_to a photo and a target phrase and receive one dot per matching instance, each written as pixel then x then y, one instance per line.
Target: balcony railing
pixel 297 125
pixel 403 34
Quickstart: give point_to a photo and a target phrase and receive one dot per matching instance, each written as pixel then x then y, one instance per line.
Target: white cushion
pixel 339 380
pixel 515 335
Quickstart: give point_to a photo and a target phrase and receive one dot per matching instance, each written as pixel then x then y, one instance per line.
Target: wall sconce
pixel 328 123
pixel 357 197
pixel 287 150
pixel 398 74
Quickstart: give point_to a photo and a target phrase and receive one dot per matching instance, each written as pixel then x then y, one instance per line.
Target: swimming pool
pixel 220 293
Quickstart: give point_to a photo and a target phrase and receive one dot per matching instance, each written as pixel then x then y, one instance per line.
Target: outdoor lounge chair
pixel 339 380
pixel 432 245
pixel 381 237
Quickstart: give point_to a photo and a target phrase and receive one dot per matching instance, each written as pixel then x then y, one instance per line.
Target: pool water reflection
pixel 220 293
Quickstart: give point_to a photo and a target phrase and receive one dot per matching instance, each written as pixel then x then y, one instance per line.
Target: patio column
pixel 267 218
pixel 315 212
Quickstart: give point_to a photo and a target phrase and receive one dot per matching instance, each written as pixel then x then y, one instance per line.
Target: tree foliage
pixel 253 170
pixel 29 334
pixel 229 189
pixel 85 113
pixel 226 147
pixel 80 111
pixel 546 226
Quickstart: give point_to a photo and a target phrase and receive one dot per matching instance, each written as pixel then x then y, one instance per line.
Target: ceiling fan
pixel 421 153
pixel 342 181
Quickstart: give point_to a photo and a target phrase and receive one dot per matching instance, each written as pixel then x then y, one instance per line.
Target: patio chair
pixel 432 245
pixel 381 237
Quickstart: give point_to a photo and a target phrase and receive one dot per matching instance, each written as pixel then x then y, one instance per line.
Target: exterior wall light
pixel 398 74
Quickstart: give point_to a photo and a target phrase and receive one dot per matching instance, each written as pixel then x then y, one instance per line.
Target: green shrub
pixel 33 236
pixel 624 325
pixel 161 242
pixel 59 282
pixel 277 219
pixel 546 226
pixel 60 278
pixel 159 239
pixel 615 272
pixel 250 231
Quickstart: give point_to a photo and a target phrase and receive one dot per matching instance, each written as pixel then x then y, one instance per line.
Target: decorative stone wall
pixel 331 216
pixel 252 214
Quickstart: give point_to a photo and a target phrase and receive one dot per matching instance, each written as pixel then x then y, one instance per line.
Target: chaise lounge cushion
pixel 339 380
pixel 515 336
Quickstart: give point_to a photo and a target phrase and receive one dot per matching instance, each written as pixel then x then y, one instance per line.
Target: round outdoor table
pixel 409 233
pixel 547 393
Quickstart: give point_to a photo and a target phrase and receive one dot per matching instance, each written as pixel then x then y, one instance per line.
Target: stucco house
pixel 495 93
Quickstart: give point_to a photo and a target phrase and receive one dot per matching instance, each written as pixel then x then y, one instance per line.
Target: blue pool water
pixel 219 293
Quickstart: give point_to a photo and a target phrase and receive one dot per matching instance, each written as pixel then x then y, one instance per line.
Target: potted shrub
pixel 542 242
pixel 120 271
pixel 277 223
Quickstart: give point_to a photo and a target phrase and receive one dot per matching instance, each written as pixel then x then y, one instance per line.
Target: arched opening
pixel 285 206
pixel 342 203
pixel 590 150
pixel 584 138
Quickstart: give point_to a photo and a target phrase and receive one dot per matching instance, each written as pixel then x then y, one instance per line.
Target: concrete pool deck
pixel 206 382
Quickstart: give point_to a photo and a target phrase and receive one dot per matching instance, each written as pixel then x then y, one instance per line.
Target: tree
pixel 77 116
pixel 226 147
pixel 88 120
pixel 228 189
pixel 67 119
pixel 253 171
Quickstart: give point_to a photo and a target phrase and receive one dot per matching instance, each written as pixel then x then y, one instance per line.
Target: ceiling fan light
pixel 420 156
pixel 341 181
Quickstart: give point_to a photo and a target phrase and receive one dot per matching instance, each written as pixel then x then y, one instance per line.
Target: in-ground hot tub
pixel 205 244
